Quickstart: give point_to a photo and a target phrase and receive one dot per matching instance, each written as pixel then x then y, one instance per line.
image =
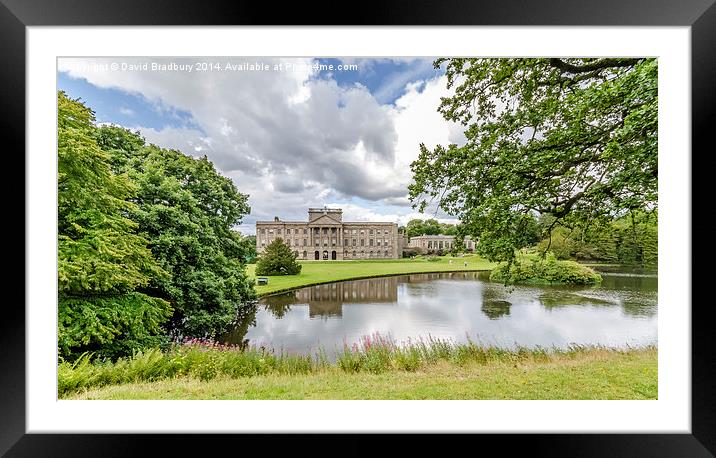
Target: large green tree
pixel 572 138
pixel 102 261
pixel 186 210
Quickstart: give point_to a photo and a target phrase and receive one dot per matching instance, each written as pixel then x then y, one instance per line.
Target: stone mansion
pixel 325 236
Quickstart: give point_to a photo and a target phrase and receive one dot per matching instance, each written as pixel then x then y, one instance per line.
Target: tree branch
pixel 596 65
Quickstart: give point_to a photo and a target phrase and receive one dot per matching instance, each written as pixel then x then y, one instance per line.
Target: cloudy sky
pixel 291 133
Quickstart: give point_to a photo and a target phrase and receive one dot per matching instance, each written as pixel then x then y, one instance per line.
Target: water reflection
pixel 560 298
pixel 620 311
pixel 280 304
pixel 326 301
pixel 237 334
pixel 495 309
pixel 494 300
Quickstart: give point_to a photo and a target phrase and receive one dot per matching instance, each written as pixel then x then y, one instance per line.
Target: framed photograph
pixel 433 220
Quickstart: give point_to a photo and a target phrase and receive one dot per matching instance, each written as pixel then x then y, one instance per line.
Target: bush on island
pixel 277 259
pixel 545 272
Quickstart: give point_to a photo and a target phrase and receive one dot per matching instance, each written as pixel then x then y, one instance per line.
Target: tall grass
pixel 206 360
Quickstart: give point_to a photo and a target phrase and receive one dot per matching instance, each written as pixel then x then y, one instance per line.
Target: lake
pixel 620 312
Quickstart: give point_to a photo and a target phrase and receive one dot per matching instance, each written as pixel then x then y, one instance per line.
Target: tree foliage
pixel 416 227
pixel 102 260
pixel 458 246
pixel 572 138
pixel 186 210
pixel 277 259
pixel 630 240
pixel 249 246
pixel 637 239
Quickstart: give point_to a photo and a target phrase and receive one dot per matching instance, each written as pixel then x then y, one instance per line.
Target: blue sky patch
pixel 384 78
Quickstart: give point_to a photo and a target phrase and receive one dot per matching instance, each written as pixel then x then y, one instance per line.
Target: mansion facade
pixel 429 243
pixel 325 236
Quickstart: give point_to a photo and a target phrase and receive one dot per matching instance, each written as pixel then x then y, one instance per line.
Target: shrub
pixel 408 358
pixel 277 259
pixel 433 258
pixel 378 352
pixel 350 360
pixel 410 252
pixel 110 326
pixel 547 271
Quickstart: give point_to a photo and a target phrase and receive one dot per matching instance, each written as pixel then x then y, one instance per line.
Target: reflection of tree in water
pixel 494 305
pixel 495 309
pixel 632 305
pixel 423 284
pixel 430 277
pixel 626 282
pixel 638 309
pixel 245 319
pixel 556 299
pixel 279 304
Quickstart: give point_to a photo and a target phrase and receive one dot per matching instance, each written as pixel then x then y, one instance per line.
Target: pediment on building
pixel 324 220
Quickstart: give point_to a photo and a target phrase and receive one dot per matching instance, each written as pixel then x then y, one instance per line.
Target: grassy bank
pixel 374 369
pixel 595 375
pixel 318 272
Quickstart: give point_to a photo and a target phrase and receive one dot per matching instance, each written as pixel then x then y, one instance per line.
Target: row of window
pixel 317 230
pixel 297 242
pixel 353 254
pixel 346 242
pixel 371 242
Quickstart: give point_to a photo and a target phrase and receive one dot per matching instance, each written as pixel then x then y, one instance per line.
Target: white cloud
pixel 353 212
pixel 417 121
pixel 188 141
pixel 126 111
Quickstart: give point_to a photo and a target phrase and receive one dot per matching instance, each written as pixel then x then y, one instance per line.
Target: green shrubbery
pixel 111 325
pixel 411 252
pixel 544 272
pixel 277 259
pixel 201 360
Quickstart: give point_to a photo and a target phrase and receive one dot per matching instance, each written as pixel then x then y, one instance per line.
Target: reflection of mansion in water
pixel 325 236
pixel 438 242
pixel 328 299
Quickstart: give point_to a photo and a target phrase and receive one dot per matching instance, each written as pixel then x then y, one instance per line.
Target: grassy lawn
pixel 317 272
pixel 594 374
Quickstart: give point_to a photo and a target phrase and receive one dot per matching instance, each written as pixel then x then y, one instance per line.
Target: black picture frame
pixel 699 15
